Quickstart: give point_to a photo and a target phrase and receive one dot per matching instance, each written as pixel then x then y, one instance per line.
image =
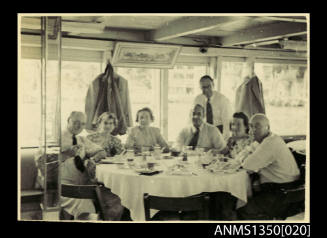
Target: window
pixel 285 95
pixel 30 103
pixel 144 90
pixel 75 80
pixel 284 92
pixel 183 87
pixel 231 78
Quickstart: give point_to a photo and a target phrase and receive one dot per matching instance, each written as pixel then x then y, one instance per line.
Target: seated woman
pixel 144 135
pixel 106 123
pixel 240 137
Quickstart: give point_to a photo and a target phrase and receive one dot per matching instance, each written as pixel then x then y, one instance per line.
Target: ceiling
pixel 281 32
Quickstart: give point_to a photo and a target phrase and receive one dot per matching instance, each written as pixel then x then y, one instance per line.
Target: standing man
pixel 218 110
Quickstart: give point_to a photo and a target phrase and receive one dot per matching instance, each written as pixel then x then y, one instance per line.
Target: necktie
pixel 194 140
pixel 209 112
pixel 77 159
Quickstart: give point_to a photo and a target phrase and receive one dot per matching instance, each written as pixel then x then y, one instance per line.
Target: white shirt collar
pixel 193 129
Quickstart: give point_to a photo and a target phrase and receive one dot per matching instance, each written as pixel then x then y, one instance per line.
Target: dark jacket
pixel 249 97
pixel 108 93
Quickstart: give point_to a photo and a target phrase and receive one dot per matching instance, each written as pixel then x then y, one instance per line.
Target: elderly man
pixel 274 163
pixel 218 110
pixel 201 134
pixel 78 153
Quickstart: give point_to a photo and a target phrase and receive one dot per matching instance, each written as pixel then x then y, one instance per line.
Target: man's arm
pixel 180 141
pixel 218 141
pixel 261 157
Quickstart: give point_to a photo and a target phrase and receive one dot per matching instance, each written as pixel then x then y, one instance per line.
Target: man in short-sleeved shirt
pixel 274 163
pixel 209 136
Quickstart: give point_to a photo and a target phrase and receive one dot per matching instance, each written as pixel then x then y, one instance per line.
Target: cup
pixel 130 162
pixel 150 165
pixel 157 152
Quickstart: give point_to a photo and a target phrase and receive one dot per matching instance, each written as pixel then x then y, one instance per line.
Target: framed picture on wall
pixel 145 55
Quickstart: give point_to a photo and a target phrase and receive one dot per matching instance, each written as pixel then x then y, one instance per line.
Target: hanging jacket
pixel 249 97
pixel 108 93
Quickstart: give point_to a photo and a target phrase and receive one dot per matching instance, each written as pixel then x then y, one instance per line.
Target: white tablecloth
pixel 130 186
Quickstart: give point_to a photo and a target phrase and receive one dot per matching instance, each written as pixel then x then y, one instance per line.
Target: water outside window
pixel 76 78
pixel 285 95
pixel 284 90
pixel 183 87
pixel 30 102
pixel 144 90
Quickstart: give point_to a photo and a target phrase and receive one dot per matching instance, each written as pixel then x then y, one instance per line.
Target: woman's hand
pixel 72 151
pixel 99 156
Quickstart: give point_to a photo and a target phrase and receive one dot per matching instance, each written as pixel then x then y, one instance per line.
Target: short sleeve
pixel 160 140
pixel 130 141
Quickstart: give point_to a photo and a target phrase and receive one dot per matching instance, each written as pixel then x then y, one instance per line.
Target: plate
pixel 144 171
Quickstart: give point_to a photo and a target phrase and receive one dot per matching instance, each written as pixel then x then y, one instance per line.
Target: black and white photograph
pixel 163 117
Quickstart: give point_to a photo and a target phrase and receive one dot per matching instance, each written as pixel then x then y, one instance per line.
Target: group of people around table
pixel 210 129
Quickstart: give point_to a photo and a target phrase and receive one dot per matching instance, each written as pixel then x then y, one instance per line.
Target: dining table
pixel 131 185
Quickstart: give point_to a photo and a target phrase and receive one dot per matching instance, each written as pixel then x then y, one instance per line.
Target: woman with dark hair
pixel 240 134
pixel 106 124
pixel 144 135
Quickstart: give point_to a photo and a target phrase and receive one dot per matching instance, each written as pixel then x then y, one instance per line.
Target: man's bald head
pixel 259 126
pixel 76 122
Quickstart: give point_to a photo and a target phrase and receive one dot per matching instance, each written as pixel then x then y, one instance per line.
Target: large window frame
pixel 99 51
pixel 222 59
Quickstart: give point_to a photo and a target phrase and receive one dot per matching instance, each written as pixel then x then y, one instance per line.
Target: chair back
pixel 84 192
pixel 292 197
pixel 199 203
pixel 300 161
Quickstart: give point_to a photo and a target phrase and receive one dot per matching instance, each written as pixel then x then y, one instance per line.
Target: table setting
pixel 192 172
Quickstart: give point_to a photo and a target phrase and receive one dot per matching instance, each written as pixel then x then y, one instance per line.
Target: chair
pixel 82 192
pixel 30 197
pixel 179 205
pixel 292 199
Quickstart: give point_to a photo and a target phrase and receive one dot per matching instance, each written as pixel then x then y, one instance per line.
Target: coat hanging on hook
pixel 109 93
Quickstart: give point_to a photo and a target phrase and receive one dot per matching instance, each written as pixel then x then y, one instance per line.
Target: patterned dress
pixel 111 144
pixel 236 145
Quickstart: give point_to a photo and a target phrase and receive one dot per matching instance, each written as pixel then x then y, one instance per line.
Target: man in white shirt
pixel 274 163
pixel 218 110
pixel 76 168
pixel 201 134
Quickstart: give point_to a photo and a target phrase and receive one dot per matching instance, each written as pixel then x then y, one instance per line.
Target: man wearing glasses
pixel 276 166
pixel 218 110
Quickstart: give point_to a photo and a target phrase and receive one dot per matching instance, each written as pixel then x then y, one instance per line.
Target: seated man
pixel 201 134
pixel 75 167
pixel 274 163
pixel 204 135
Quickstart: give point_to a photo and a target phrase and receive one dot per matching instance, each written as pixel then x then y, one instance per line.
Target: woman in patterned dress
pixel 106 123
pixel 240 134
